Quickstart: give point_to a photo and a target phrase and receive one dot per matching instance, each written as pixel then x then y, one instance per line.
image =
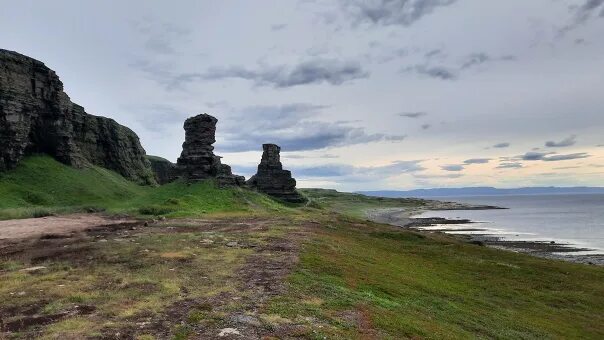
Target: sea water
pixel 574 219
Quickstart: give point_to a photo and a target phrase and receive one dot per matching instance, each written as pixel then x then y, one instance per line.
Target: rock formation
pixel 36 116
pixel 272 179
pixel 197 160
pixel 164 170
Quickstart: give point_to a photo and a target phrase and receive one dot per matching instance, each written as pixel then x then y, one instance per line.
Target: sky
pixel 360 94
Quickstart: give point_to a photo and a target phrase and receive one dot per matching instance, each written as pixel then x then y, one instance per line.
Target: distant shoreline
pixel 406 218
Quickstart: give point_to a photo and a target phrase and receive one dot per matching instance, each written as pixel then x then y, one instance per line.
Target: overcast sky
pixel 360 94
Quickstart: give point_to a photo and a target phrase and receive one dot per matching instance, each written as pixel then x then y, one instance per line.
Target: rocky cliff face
pixel 36 116
pixel 197 160
pixel 164 170
pixel 272 179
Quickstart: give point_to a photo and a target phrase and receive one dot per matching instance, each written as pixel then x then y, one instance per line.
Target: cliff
pixel 37 116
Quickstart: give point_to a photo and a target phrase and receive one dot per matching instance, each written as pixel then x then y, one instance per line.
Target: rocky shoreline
pixel 546 249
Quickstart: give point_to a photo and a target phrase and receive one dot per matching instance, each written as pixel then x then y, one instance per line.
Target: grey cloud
pixel 160 37
pixel 412 114
pixel 438 72
pixel 452 167
pixel 510 165
pixel 391 12
pixel 317 71
pixel 297 156
pixel 278 27
pixel 600 146
pixel 548 157
pixel 569 141
pixel 426 126
pixel 534 156
pixel 582 14
pixel 476 59
pixel 423 176
pixel 477 161
pixel 349 173
pixel 293 128
pixel 571 156
pixel 501 145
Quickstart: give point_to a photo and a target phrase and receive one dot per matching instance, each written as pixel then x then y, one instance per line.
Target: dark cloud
pixel 476 59
pixel 278 27
pixel 582 14
pixel 426 126
pixel 352 173
pixel 437 72
pixel 317 71
pixel 294 127
pixel 510 165
pixel 569 141
pixel 452 167
pixel 600 146
pixel 412 114
pixel 552 157
pixel 501 145
pixel 477 161
pixel 391 12
pixel 571 156
pixel 534 156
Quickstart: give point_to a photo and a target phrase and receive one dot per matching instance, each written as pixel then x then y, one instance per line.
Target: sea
pixel 573 219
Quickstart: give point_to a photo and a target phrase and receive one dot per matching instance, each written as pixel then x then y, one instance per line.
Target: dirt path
pixel 54 225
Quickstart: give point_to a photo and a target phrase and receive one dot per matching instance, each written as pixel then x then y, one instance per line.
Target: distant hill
pixel 483 191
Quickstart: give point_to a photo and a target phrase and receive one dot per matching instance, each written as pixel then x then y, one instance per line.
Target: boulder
pixel 272 179
pixel 37 116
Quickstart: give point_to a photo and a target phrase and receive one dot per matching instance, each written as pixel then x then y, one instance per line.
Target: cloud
pixel 437 72
pixel 543 156
pixel 452 167
pixel 160 37
pixel 476 59
pixel 353 172
pixel 582 14
pixel 426 126
pixel 569 141
pixel 510 165
pixel 294 127
pixel 297 156
pixel 533 156
pixel 600 146
pixel 316 71
pixel 412 114
pixel 571 156
pixel 501 145
pixel 423 176
pixel 390 12
pixel 477 161
pixel 278 27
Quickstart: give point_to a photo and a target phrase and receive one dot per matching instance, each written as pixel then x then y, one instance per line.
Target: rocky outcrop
pixel 164 170
pixel 36 116
pixel 272 179
pixel 197 160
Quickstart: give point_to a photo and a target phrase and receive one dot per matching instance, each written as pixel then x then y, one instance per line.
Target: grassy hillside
pixel 356 204
pixel 40 186
pixel 368 280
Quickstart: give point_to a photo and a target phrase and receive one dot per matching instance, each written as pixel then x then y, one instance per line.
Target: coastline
pixel 405 218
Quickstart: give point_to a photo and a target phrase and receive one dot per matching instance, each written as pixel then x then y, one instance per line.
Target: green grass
pixel 355 204
pixel 409 285
pixel 41 186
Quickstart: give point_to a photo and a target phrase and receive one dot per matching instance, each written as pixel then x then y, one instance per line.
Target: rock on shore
pixel 37 116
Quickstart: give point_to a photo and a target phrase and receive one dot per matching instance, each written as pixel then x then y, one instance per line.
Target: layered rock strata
pixel 197 160
pixel 272 179
pixel 37 116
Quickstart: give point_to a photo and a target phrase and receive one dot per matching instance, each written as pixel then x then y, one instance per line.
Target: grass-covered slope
pixel 368 280
pixel 40 185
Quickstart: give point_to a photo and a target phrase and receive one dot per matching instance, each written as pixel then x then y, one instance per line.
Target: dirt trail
pixel 54 225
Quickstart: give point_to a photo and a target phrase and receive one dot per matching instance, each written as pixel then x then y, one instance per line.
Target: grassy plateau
pixel 237 263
